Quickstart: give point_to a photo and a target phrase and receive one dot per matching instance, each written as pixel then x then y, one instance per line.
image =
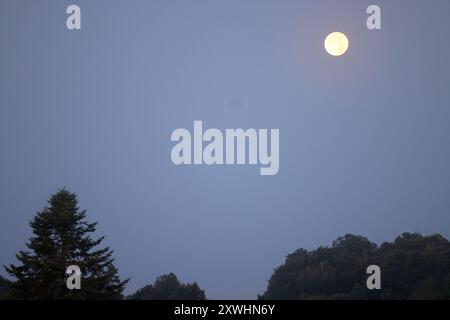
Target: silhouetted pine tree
pixel 62 238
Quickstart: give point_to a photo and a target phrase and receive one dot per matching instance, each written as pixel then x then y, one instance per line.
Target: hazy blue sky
pixel 364 138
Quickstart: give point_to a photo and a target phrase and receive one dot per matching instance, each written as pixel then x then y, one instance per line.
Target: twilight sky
pixel 364 138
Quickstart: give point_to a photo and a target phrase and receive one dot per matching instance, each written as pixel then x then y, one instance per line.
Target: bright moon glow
pixel 336 44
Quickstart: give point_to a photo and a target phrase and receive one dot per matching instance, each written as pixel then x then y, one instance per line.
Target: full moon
pixel 336 44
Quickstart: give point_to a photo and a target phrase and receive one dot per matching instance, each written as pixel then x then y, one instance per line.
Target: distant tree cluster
pixel 413 267
pixel 167 287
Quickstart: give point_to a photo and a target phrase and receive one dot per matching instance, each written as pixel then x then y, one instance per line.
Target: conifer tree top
pixel 62 237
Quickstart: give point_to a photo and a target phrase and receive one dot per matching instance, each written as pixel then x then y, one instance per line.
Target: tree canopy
pixel 412 267
pixel 168 287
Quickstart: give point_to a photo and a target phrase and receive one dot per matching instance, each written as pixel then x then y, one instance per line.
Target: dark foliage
pixel 413 267
pixel 62 238
pixel 4 288
pixel 167 287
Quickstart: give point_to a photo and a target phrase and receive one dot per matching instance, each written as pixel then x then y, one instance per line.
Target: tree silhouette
pixel 167 287
pixel 413 267
pixel 62 238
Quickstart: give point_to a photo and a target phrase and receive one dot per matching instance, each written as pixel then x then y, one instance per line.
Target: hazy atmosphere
pixel 364 138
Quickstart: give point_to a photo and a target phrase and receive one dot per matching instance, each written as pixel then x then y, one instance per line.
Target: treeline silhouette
pixel 167 287
pixel 412 267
